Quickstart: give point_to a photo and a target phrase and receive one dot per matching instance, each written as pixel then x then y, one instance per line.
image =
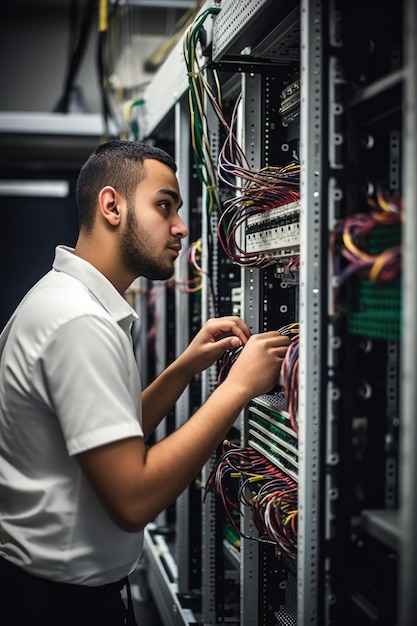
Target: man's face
pixel 151 239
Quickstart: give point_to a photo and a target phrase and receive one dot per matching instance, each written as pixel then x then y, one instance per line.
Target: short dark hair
pixel 118 163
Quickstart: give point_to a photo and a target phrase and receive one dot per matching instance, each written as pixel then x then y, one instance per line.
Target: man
pixel 77 481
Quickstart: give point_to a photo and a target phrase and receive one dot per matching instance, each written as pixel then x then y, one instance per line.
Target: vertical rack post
pixel 182 338
pixel 210 533
pixel 408 443
pixel 250 121
pixel 311 298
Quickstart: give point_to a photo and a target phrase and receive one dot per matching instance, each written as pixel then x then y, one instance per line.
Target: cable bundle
pixel 261 190
pixel 244 477
pixel 268 181
pixel 194 284
pixel 257 192
pixel 350 237
pixel 290 380
pixel 199 88
pixel 226 362
pixel 200 93
pixel 230 356
pixel 80 28
pixel 290 330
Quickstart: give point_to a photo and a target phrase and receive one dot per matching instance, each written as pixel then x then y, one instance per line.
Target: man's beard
pixel 138 252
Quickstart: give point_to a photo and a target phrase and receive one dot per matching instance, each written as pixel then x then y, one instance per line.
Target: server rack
pixel 349 80
pixel 408 513
pixel 364 125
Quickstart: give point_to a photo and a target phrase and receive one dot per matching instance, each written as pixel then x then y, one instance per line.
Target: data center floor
pixel 146 612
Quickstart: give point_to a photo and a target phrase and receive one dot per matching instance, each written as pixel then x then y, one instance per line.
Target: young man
pixel 77 482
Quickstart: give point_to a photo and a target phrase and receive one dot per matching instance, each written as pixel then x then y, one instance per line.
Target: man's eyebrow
pixel 173 195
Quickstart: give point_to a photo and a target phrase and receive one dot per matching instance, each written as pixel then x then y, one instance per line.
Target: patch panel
pixel 264 446
pixel 275 233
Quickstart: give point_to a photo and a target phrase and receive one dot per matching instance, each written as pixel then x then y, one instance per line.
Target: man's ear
pixel 108 205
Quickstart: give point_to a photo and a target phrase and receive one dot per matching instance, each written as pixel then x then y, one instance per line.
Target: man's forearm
pixel 160 396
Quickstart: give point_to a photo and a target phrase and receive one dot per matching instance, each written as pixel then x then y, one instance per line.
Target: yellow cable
pixel 378 266
pixel 103 16
pixel 351 246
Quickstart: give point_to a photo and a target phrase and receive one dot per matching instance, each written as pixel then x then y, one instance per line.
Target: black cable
pixel 77 51
pixel 103 73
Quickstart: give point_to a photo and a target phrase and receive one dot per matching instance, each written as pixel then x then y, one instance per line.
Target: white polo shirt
pixel 68 382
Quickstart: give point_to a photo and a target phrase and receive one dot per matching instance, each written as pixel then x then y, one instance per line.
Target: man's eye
pixel 165 205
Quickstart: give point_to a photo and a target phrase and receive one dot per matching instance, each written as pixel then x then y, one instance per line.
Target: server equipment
pixel 294 127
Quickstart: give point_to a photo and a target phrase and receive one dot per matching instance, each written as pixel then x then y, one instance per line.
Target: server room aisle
pixel 146 612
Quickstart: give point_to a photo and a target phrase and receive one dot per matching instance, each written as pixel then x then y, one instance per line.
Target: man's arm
pixel 216 336
pixel 135 484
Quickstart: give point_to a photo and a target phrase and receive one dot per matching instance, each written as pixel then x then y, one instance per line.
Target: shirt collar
pixel 102 289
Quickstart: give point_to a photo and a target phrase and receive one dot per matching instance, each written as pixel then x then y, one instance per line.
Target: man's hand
pixel 216 336
pixel 258 365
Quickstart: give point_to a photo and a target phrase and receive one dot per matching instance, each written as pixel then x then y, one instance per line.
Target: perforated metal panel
pixel 310 313
pixel 250 122
pixel 408 597
pixel 209 381
pixel 266 28
pixel 182 339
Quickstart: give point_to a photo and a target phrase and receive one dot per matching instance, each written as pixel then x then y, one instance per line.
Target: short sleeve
pixel 88 376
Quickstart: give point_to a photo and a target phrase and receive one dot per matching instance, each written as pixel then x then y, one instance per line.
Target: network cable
pixel 244 478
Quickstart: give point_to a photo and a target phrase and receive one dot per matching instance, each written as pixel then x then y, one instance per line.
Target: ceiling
pixel 34 63
pixel 173 4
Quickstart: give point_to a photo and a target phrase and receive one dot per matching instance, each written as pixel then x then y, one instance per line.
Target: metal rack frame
pixel 408 502
pixel 230 38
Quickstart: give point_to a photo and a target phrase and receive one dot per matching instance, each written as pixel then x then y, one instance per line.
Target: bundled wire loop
pixel 289 330
pixel 193 284
pixel 244 478
pixel 199 88
pixel 290 380
pixel 349 242
pixel 256 191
